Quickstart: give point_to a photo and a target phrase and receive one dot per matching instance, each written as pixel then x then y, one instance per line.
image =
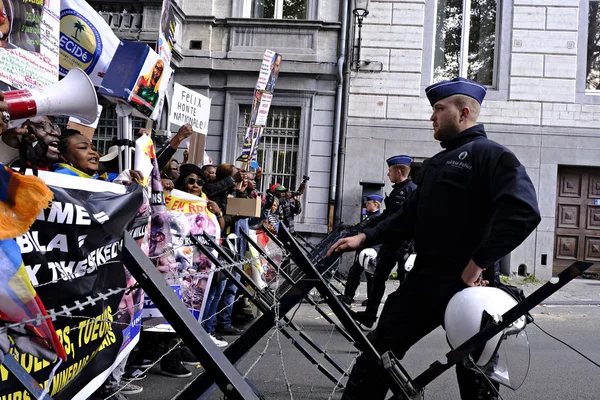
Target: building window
pixel 277 9
pixel 278 149
pixel 466 46
pixel 593 47
pixel 107 128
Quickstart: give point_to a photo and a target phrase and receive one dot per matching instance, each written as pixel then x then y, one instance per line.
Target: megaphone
pixel 74 96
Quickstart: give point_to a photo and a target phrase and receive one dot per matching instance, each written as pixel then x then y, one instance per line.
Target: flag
pixel 21 200
pixel 86 40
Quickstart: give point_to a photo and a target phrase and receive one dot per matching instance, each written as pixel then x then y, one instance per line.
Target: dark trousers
pixel 353 279
pixel 386 260
pixel 410 313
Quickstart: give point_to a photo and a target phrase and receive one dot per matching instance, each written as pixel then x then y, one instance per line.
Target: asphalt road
pixel 556 372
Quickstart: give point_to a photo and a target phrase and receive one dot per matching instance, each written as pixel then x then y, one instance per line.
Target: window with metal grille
pixel 278 149
pixel 107 128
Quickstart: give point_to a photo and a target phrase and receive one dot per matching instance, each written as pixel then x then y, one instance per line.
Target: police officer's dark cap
pixel 375 197
pixel 441 90
pixel 396 160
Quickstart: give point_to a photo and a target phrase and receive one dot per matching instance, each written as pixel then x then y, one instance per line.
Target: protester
pixel 171 170
pixel 191 181
pixel 39 130
pixel 210 172
pixel 80 158
pixel 289 205
pixel 165 154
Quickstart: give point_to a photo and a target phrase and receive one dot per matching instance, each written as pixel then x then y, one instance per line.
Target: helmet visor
pixel 510 364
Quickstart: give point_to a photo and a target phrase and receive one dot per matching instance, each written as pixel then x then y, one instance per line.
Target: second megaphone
pixel 74 96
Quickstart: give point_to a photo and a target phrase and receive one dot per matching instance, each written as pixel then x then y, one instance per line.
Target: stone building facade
pixel 218 52
pixel 540 60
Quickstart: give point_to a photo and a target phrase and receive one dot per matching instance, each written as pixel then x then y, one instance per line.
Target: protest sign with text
pixel 73 252
pixel 29 35
pixel 190 107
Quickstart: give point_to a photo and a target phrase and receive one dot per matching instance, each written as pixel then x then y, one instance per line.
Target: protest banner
pixel 166 32
pixel 86 40
pixel 261 104
pixel 190 107
pixel 72 251
pixel 188 271
pixel 29 42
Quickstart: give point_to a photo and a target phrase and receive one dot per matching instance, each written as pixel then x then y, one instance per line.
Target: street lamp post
pixel 360 11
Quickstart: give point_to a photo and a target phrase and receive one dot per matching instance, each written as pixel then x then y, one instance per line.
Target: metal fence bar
pixel 226 376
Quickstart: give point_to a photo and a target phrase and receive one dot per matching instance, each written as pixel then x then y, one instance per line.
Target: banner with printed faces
pixel 72 253
pixel 86 40
pixel 261 104
pixel 187 269
pixel 29 43
pixel 166 32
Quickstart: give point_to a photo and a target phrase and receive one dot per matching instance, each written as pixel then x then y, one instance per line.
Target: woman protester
pixel 78 157
pixel 192 180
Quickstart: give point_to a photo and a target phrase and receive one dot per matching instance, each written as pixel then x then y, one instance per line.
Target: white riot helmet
pixel 472 309
pixel 366 259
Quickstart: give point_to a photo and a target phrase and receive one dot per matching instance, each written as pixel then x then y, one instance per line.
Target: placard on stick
pixel 190 107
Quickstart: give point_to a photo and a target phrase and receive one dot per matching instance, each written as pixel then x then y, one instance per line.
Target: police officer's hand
pixel 471 275
pixel 348 244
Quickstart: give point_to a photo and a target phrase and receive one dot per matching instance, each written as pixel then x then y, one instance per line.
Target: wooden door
pixel 577 235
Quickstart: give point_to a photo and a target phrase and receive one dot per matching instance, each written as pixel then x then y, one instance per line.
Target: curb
pixel 571 303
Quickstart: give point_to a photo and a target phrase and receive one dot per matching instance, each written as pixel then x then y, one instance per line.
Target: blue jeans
pixel 227 299
pixel 212 302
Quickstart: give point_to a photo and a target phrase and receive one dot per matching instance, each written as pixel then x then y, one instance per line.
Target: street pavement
pixel 556 372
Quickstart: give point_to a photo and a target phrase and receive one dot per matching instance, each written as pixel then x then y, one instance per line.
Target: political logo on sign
pixel 86 40
pixel 80 41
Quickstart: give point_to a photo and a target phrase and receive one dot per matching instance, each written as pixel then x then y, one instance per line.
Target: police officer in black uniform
pixel 372 211
pixel 390 253
pixel 475 204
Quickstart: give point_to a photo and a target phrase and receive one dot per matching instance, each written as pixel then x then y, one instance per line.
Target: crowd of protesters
pixel 67 151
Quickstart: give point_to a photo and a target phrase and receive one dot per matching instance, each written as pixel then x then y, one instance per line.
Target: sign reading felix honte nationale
pixel 190 107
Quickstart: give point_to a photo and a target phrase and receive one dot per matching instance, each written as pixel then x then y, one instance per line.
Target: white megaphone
pixel 74 96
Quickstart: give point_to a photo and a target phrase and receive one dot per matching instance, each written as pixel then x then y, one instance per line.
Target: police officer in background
pixel 390 253
pixel 475 204
pixel 373 211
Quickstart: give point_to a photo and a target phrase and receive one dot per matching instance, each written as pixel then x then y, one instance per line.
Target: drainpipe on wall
pixel 338 139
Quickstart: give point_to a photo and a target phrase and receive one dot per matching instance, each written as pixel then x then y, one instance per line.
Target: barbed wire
pixel 278 326
pixel 175 346
pixel 66 311
pixel 346 373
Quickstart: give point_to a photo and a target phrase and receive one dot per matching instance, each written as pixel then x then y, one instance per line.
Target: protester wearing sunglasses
pixel 191 180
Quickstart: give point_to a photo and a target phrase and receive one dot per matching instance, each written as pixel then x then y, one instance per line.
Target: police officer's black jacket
pixel 474 201
pixel 394 201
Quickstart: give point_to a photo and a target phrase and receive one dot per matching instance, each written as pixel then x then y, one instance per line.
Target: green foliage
pixel 482 40
pixel 505 279
pixel 531 279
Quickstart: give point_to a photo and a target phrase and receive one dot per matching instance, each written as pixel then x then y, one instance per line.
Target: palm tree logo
pixel 78 28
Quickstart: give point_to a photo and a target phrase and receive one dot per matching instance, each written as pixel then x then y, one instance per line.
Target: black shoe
pixel 188 358
pixel 364 318
pixel 345 299
pixel 230 331
pixel 364 303
pixel 171 365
